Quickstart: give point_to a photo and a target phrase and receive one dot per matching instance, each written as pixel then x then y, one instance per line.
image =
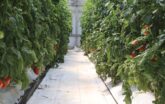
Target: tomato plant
pixel 129 38
pixel 29 29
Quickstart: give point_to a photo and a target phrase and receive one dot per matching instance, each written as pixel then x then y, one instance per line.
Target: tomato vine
pixel 126 40
pixel 30 31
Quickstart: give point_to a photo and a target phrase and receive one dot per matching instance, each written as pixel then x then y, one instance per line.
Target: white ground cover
pixel 73 82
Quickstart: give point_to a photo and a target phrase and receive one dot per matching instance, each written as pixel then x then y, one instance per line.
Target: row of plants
pixel 126 41
pixel 33 35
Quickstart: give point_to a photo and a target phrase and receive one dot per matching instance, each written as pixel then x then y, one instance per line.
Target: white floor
pixel 138 97
pixel 74 82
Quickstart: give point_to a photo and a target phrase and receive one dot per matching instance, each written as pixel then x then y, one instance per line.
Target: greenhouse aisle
pixel 74 82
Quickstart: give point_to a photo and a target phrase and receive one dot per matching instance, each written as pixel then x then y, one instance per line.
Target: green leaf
pixel 1 35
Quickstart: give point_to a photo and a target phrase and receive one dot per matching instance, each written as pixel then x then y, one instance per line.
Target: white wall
pixel 76 10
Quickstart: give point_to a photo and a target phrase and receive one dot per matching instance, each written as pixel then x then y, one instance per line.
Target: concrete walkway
pixel 74 82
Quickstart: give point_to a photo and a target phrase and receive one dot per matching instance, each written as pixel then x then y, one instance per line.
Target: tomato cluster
pixel 4 82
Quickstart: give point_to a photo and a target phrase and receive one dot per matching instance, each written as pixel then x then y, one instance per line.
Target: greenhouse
pixel 82 52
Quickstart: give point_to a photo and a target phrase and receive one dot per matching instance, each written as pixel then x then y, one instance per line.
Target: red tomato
pixel 4 85
pixel 146 33
pixel 36 70
pixel 133 55
pixel 1 83
pixel 142 48
pixel 7 80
